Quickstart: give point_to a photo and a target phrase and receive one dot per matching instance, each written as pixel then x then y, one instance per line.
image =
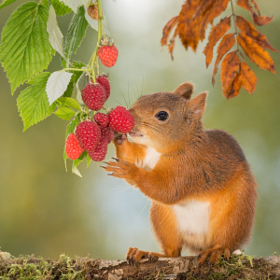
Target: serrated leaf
pixel 33 103
pixel 6 3
pixel 57 84
pixel 75 4
pixel 55 34
pixel 94 23
pixel 229 72
pixel 65 113
pixel 69 102
pixel 75 34
pixel 60 8
pixel 256 53
pixel 249 79
pixel 25 49
pixel 225 45
pixel 217 32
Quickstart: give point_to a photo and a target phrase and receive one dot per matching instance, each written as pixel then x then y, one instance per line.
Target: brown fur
pixel 205 165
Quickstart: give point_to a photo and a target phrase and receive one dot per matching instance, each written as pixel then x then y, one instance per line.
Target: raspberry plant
pixel 29 40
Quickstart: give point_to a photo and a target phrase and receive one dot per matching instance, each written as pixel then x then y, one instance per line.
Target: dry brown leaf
pixel 256 53
pixel 249 30
pixel 217 32
pixel 261 20
pixel 225 45
pixel 235 87
pixel 257 18
pixel 189 25
pixel 194 19
pixel 217 7
pixel 249 79
pixel 229 71
pixel 167 30
pixel 256 7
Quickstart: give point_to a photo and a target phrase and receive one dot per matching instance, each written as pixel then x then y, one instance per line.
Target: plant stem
pixel 235 27
pixel 94 55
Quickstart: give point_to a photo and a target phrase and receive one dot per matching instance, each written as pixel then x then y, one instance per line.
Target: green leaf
pixel 25 49
pixel 75 34
pixel 76 162
pixel 6 3
pixel 33 103
pixel 65 113
pixel 55 34
pixel 57 84
pixel 75 4
pixel 69 102
pixel 60 8
pixel 72 125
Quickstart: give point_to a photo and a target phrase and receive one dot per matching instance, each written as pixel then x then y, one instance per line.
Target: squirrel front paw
pixel 121 169
pixel 119 137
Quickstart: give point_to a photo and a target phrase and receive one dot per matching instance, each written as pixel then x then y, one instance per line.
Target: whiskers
pixel 150 126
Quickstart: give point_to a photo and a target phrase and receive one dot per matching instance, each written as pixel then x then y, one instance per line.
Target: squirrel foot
pixel 134 256
pixel 121 168
pixel 215 253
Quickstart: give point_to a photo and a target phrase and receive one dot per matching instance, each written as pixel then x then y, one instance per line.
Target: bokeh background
pixel 46 211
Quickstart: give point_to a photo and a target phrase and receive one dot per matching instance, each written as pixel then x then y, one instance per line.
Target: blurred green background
pixel 46 211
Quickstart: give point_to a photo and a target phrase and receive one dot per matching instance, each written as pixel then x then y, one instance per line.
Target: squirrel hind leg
pixel 214 254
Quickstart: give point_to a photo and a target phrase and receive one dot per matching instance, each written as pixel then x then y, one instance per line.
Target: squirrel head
pixel 168 121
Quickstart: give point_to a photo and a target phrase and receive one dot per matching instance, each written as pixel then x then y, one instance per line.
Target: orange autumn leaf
pixel 194 19
pixel 261 20
pixel 249 30
pixel 229 71
pixel 249 79
pixel 217 32
pixel 256 53
pixel 235 87
pixel 167 30
pixel 225 45
pixel 257 18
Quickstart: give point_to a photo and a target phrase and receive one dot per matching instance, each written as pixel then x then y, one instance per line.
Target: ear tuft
pixel 185 90
pixel 197 104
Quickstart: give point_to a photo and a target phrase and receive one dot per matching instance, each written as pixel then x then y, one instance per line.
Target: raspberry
pixel 103 81
pixel 108 55
pixel 100 152
pixel 107 133
pixel 101 119
pixel 94 96
pixel 121 120
pixel 88 134
pixel 72 147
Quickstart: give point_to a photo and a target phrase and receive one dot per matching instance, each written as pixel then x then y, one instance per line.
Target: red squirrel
pixel 202 190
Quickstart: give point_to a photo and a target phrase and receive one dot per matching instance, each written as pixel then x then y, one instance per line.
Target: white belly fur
pixel 150 160
pixel 193 221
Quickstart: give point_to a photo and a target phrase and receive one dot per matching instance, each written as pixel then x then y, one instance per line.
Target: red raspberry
pixel 100 152
pixel 88 134
pixel 107 133
pixel 121 120
pixel 108 55
pixel 72 147
pixel 101 119
pixel 103 81
pixel 94 96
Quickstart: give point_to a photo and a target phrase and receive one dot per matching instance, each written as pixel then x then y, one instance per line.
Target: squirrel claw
pixel 214 254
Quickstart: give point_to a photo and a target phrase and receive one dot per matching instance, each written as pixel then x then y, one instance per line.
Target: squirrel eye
pixel 161 115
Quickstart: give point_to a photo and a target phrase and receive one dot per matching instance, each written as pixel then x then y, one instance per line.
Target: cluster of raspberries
pixel 93 136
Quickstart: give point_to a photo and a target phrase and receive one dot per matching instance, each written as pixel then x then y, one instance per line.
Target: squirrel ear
pixel 197 104
pixel 185 90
